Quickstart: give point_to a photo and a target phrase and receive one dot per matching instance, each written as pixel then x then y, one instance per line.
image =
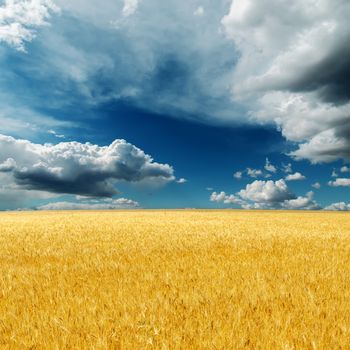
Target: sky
pixel 124 104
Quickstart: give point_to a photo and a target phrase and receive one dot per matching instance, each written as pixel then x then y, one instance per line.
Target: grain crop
pixel 175 280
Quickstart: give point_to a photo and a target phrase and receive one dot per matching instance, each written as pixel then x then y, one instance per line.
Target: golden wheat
pixel 175 280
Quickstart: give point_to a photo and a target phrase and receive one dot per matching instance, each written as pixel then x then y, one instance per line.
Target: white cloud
pixel 334 173
pixel 340 182
pixel 316 185
pixel 269 167
pixel 309 101
pixel 341 206
pixel 76 168
pixel 345 169
pixel 226 199
pixel 181 181
pixel 238 175
pixel 254 172
pixel 120 203
pixel 306 203
pixel 295 177
pixel 130 7
pixel 267 192
pixel 20 18
pixel 267 195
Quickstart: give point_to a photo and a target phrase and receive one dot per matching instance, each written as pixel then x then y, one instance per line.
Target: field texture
pixel 175 280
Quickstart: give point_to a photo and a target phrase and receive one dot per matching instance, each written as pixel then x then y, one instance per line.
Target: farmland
pixel 175 280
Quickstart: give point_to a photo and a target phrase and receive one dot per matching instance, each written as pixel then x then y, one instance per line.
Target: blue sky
pixel 153 104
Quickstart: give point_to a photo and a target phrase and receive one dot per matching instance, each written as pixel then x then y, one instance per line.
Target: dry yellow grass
pixel 175 280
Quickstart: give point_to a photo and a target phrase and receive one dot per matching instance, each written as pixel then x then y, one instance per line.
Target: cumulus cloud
pixel 120 203
pixel 20 18
pixel 340 182
pixel 225 198
pixel 76 168
pixel 267 195
pixel 181 181
pixel 309 101
pixel 267 192
pixel 295 177
pixel 306 203
pixel 341 206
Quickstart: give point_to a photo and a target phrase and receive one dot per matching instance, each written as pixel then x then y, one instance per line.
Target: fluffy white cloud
pixel 267 195
pixel 306 203
pixel 226 199
pixel 76 168
pixel 295 177
pixel 340 182
pixel 181 181
pixel 120 203
pixel 267 192
pixel 316 185
pixel 309 101
pixel 341 206
pixel 19 18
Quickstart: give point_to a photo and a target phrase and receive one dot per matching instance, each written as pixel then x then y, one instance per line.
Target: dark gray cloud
pixel 330 77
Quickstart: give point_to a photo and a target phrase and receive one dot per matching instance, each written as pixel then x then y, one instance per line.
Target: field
pixel 175 280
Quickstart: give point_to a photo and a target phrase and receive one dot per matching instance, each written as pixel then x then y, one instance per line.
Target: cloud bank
pixel 111 204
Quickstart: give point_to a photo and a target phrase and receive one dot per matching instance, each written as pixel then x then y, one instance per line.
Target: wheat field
pixel 175 280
